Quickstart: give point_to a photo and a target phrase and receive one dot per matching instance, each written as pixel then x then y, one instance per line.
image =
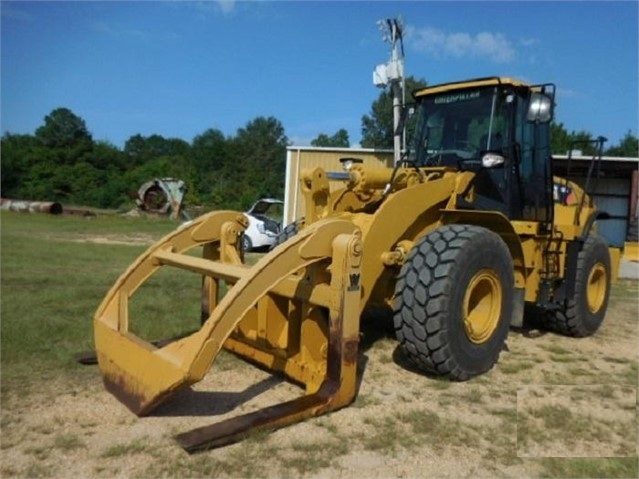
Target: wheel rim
pixel 596 287
pixel 482 306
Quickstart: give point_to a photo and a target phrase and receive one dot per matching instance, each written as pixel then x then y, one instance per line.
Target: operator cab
pixel 498 128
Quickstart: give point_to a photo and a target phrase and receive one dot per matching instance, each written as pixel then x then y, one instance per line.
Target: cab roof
pixel 463 85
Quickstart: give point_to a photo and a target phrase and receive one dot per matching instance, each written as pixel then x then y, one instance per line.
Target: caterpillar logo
pixel 353 282
pixel 457 97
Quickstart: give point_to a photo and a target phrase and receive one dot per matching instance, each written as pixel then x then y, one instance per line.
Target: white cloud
pixel 226 6
pixel 528 42
pixel 215 7
pixel 432 41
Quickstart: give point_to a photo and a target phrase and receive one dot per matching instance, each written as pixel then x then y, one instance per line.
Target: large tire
pixel 582 314
pixel 453 301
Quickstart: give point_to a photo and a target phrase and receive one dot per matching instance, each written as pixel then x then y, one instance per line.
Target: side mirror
pixel 539 108
pixel 491 160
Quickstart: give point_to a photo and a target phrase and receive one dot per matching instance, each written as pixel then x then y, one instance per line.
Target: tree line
pixel 62 162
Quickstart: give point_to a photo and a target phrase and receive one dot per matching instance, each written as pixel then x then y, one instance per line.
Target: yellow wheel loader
pixel 467 231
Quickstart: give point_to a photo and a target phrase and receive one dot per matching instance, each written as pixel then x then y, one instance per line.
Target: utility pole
pixel 392 73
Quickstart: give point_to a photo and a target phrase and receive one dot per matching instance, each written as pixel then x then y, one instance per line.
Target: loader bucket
pixel 296 311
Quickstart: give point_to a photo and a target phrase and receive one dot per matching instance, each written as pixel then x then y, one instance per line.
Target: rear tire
pixel 582 314
pixel 453 301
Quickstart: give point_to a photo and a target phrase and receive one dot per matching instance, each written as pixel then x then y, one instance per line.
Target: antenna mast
pixel 392 73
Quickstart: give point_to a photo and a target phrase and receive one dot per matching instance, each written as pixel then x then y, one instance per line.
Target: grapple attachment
pixel 296 311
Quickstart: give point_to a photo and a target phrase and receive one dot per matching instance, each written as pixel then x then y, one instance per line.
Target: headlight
pixel 539 108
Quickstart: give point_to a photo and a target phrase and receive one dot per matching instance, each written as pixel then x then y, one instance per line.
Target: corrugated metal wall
pixel 303 158
pixel 612 195
pixel 615 192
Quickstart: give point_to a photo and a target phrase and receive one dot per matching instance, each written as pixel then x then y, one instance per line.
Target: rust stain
pixel 351 350
pixel 118 386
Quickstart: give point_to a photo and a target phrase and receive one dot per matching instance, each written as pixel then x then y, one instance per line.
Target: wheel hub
pixel 596 287
pixel 482 306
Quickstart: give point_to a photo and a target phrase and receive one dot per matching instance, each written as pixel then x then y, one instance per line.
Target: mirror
pixel 490 160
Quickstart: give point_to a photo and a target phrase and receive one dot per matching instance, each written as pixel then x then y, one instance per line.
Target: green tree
pixel 62 142
pixel 338 140
pixel 583 141
pixel 560 142
pixel 377 126
pixel 63 128
pixel 628 147
pixel 17 158
pixel 140 149
pixel 106 156
pixel 257 162
pixel 209 153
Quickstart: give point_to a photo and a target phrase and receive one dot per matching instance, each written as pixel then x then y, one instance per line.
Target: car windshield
pixel 454 127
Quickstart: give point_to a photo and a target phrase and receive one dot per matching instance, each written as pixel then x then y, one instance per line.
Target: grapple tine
pixel 238 428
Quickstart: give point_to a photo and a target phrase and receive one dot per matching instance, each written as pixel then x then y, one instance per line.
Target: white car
pixel 262 229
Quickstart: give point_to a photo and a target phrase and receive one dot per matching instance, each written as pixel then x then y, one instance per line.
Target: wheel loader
pixel 457 240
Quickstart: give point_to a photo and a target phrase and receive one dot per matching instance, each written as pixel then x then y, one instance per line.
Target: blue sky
pixel 179 68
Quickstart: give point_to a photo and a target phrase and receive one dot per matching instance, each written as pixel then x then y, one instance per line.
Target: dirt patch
pixel 549 396
pixel 135 240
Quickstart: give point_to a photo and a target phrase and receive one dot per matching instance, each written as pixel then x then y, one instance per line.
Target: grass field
pixel 553 406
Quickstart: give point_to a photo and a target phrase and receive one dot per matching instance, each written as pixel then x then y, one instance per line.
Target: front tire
pixel 453 301
pixel 582 314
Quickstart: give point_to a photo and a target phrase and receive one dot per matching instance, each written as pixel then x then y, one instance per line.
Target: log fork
pixel 296 312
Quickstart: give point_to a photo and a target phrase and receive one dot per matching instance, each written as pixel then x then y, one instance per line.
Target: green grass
pixel 315 455
pixel 119 450
pixel 613 467
pixel 552 424
pixel 514 365
pixel 387 434
pixel 67 442
pixel 625 289
pixel 52 285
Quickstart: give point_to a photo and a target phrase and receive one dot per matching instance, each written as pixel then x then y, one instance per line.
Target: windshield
pixel 457 127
